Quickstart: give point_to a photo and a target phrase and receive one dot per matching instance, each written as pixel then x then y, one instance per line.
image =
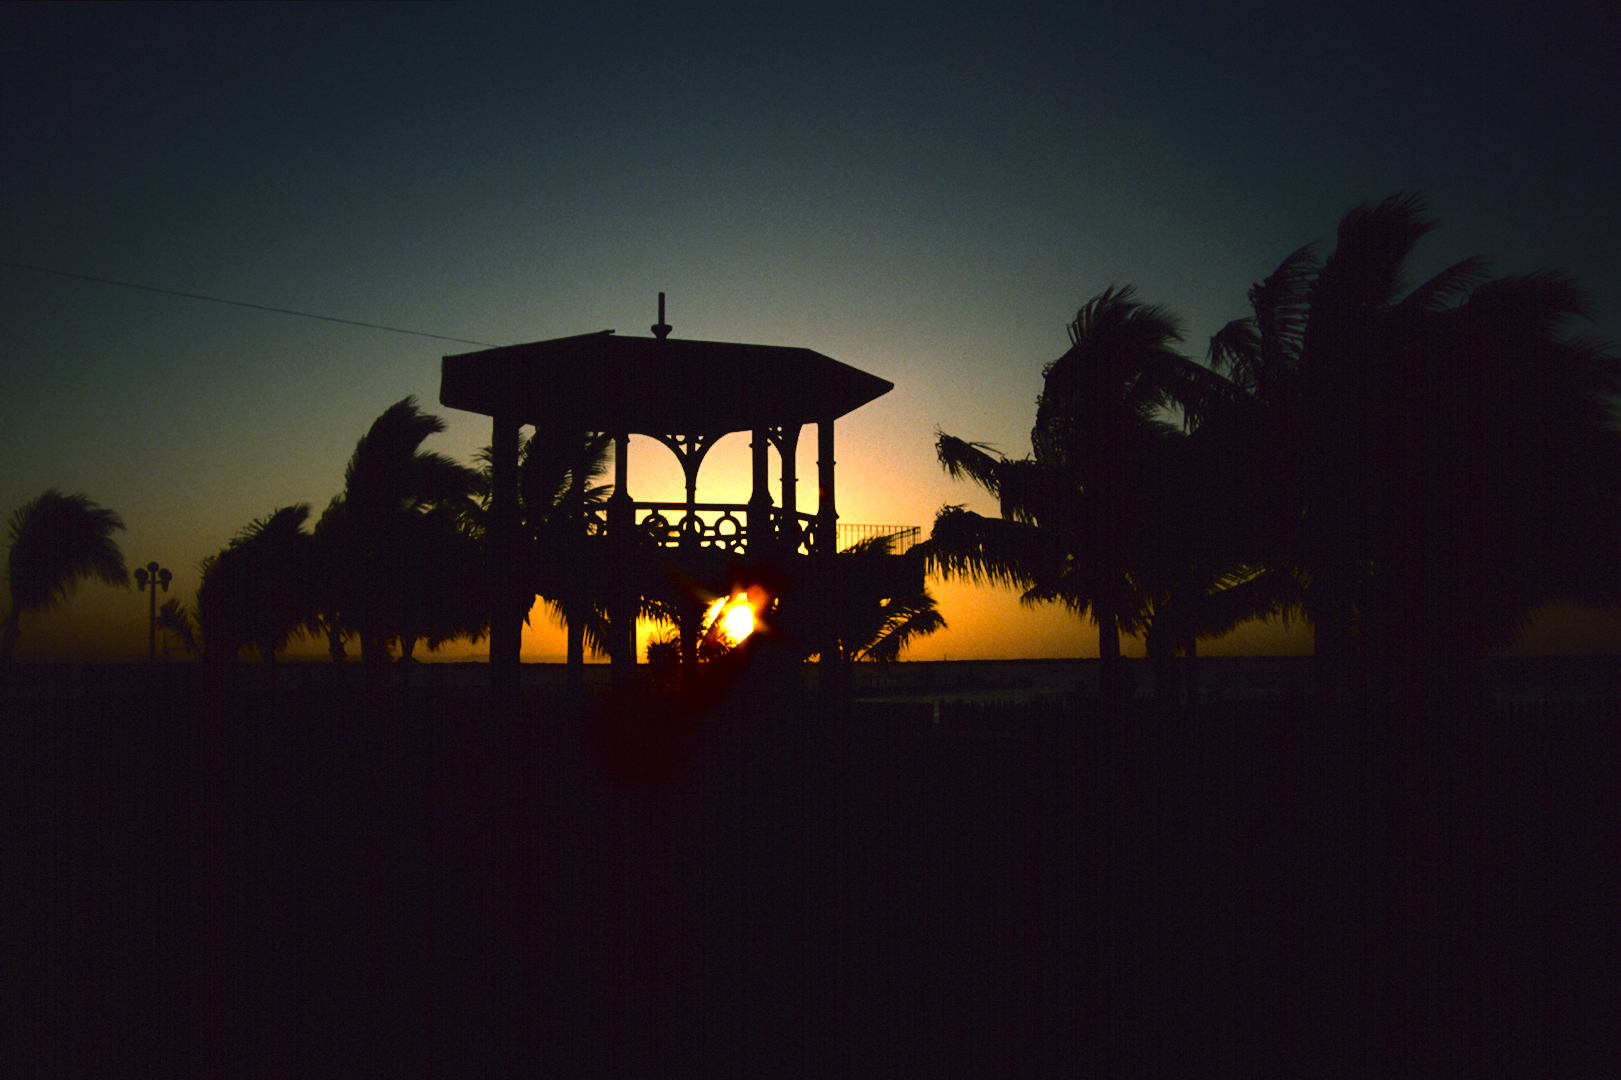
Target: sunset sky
pixel 922 192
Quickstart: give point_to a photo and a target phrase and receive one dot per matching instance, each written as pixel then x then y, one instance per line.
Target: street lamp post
pixel 154 575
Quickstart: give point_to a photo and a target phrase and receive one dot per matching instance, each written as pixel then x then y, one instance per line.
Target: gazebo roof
pixel 653 386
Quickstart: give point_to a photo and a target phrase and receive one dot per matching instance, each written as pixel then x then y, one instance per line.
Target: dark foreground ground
pixel 328 884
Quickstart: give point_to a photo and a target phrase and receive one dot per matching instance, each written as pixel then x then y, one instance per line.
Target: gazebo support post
pixel 690 617
pixel 621 523
pixel 759 518
pixel 788 532
pixel 506 621
pixel 574 617
pixel 827 567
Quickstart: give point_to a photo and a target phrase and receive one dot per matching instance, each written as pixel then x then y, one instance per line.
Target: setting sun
pixel 731 619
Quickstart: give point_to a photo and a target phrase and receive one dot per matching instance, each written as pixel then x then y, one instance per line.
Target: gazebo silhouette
pixel 687 395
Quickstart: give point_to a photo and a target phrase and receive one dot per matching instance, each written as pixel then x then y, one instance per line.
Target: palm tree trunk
pixel 408 645
pixel 10 642
pixel 1161 657
pixel 267 652
pixel 334 644
pixel 689 627
pixel 1330 637
pixel 373 654
pixel 6 648
pixel 1190 670
pixel 576 642
pixel 1109 680
pixel 1325 660
pixel 576 652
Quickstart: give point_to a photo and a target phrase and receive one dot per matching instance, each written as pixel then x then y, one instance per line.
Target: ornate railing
pixel 670 524
pixel 725 527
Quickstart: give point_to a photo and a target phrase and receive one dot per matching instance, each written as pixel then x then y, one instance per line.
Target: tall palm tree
pixel 443 596
pixel 560 503
pixel 1447 444
pixel 1029 546
pixel 562 497
pixel 1082 513
pixel 1197 565
pixel 333 588
pixel 1511 468
pixel 390 484
pixel 57 541
pixel 259 591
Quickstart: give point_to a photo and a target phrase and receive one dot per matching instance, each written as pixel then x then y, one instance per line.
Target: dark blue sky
pixel 926 193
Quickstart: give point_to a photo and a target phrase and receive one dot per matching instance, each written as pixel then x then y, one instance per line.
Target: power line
pixel 241 303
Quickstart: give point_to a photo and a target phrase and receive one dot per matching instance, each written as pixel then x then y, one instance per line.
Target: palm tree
pixel 57 541
pixel 1416 422
pixel 333 588
pixel 560 504
pixel 561 497
pixel 876 629
pixel 1022 547
pixel 174 619
pixel 1081 515
pixel 442 597
pixel 1197 567
pixel 259 591
pixel 1513 471
pixel 1043 544
pixel 375 536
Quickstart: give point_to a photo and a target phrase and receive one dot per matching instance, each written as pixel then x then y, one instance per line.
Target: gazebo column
pixel 505 582
pixel 762 535
pixel 788 442
pixel 827 516
pixel 835 594
pixel 759 516
pixel 621 523
pixel 690 615
pixel 777 670
pixel 574 616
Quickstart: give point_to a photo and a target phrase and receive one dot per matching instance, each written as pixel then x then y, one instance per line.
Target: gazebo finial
pixel 661 329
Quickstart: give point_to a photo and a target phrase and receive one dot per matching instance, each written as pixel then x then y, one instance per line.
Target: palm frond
pixel 1248 596
pixel 967 546
pixel 263 588
pixel 973 461
pixel 57 541
pixel 594 620
pixel 1198 392
pixel 1282 302
pixel 1236 349
pixel 1116 319
pixel 1030 493
pixel 173 618
pixel 1449 287
pixel 1116 375
pixel 1365 271
pixel 388 468
pixel 279 525
pixel 902 621
pixel 1536 306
